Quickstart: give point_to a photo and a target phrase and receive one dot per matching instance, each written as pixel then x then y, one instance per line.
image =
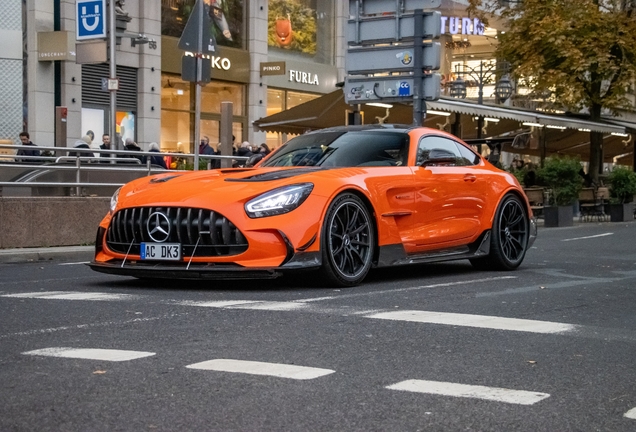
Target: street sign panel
pixel 389 89
pixel 90 19
pixel 198 26
pixel 391 58
pixel 383 29
pixel 189 69
pixel 370 7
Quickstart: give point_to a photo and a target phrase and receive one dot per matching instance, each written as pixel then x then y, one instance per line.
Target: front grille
pixel 216 235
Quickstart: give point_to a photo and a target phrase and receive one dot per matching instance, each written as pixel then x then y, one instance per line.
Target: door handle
pixel 470 178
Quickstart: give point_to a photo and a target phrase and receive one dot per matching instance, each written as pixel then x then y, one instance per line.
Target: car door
pixel 449 195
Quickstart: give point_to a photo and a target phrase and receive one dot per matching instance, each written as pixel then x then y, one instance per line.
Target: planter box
pixel 621 212
pixel 558 216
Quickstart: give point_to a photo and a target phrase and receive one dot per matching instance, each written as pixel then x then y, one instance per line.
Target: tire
pixel 509 237
pixel 348 242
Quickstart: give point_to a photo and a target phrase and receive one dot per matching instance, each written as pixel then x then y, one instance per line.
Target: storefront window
pixel 275 101
pixel 212 94
pixel 175 93
pixel 175 132
pixel 178 111
pixel 226 19
pixel 302 29
pixel 297 98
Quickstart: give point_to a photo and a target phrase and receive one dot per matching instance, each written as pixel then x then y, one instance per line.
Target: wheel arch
pixel 369 205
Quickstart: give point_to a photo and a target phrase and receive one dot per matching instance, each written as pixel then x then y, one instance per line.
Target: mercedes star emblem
pixel 158 226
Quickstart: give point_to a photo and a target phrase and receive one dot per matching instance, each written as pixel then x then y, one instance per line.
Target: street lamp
pixel 483 74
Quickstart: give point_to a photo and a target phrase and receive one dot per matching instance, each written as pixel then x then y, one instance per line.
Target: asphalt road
pixel 549 347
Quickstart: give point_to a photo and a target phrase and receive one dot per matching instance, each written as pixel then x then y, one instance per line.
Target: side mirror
pixel 440 157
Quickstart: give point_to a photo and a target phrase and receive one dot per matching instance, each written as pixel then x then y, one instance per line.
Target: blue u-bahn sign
pixel 90 18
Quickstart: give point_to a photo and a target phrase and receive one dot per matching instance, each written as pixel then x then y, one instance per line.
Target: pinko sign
pixel 465 26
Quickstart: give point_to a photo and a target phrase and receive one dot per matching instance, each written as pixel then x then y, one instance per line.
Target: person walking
pixel 156 159
pixel 131 145
pixel 25 139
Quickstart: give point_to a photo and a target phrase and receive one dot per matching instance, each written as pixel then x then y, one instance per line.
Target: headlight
pixel 278 201
pixel 113 200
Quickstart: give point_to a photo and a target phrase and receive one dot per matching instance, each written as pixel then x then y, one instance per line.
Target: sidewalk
pixel 71 253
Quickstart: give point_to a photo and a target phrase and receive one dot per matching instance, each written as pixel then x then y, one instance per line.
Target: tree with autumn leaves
pixel 579 53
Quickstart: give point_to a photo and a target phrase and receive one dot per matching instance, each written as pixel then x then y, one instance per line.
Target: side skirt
pixel 392 255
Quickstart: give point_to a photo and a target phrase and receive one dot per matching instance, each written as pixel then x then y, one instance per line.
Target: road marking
pixel 74 263
pixel 261 368
pixel 272 306
pixel 588 237
pixel 91 325
pixel 480 321
pixel 398 290
pixel 519 397
pixel 67 295
pixel 91 353
pixel 631 414
pixel 248 304
pixel 217 304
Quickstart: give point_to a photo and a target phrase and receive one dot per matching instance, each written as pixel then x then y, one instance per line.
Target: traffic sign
pixel 393 58
pixel 389 88
pixel 90 19
pixel 365 30
pixel 197 37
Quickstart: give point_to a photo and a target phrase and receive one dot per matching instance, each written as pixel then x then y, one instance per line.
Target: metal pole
pixel 480 101
pixel 113 75
pixel 197 101
pixel 419 108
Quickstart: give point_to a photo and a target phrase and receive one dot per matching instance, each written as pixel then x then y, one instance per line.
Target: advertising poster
pixel 226 17
pixel 292 25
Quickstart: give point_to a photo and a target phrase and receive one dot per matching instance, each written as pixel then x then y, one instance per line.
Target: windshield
pixel 343 149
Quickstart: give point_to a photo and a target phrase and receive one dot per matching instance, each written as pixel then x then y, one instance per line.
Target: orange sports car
pixel 341 200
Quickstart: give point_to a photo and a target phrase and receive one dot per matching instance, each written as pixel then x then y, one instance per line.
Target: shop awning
pixel 331 110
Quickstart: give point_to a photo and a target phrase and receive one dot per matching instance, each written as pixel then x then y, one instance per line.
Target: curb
pixel 21 255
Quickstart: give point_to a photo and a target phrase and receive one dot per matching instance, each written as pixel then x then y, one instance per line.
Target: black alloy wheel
pixel 348 241
pixel 509 236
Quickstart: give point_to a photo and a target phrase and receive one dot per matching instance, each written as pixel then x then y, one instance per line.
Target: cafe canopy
pixel 544 134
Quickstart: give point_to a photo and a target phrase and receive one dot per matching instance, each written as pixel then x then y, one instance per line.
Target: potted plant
pixel 622 185
pixel 560 175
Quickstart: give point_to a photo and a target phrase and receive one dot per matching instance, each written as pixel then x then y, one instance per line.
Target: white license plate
pixel 161 251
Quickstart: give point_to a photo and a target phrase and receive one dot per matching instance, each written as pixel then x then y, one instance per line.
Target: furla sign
pixel 310 77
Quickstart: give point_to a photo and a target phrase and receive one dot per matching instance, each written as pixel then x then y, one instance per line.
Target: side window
pixel 468 157
pixel 431 142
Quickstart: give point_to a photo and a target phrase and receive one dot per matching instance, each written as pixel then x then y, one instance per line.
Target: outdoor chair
pixel 535 198
pixel 590 206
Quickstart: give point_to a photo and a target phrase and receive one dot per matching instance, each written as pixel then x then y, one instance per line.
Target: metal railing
pixel 28 168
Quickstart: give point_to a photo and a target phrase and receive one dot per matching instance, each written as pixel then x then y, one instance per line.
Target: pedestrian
pixel 25 139
pixel 105 145
pixel 244 150
pixel 206 149
pixel 91 134
pixel 156 159
pixel 83 143
pixel 131 145
pixel 530 177
pixel 264 148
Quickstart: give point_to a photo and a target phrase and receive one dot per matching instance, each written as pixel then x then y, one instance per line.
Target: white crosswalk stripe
pixel 480 321
pixel 631 414
pixel 519 397
pixel 262 368
pixel 70 295
pixel 90 353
